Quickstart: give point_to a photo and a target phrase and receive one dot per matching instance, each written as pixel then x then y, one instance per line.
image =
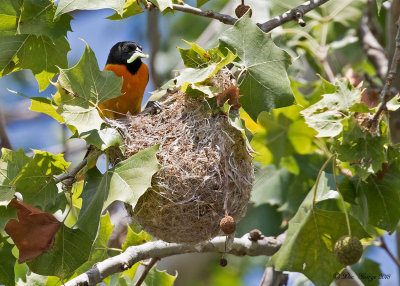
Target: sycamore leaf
pixel 159 278
pixel 379 5
pixel 126 182
pixel 81 89
pixel 65 6
pixel 364 152
pixel 35 181
pixel 133 238
pixel 326 115
pixel 6 213
pixel 163 4
pixel 46 106
pixel 271 186
pixel 195 75
pixel 7 262
pixel 33 232
pixel 131 8
pixel 11 163
pixel 71 249
pixel 200 3
pixel 9 13
pixel 313 228
pixel 366 265
pixel 266 84
pixel 99 251
pixel 377 197
pixel 37 18
pixel 39 54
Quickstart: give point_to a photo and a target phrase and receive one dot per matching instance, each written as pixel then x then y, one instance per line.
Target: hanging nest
pixel 206 169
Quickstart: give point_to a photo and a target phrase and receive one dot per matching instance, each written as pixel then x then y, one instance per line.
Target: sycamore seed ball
pixel 348 250
pixel 227 225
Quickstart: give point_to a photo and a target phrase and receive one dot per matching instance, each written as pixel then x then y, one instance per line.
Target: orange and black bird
pixel 125 61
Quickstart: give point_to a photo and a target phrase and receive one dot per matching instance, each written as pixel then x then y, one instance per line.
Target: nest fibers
pixel 206 170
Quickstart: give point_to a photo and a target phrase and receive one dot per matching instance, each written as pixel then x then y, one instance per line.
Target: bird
pixel 125 61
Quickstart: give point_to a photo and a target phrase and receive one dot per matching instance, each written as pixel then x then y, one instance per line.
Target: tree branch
pixel 133 254
pixel 75 171
pixel 226 19
pixel 385 94
pixel 291 15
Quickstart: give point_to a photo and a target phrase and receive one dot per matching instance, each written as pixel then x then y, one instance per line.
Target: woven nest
pixel 206 170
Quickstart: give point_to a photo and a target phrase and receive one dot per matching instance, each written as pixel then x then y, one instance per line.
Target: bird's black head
pixel 128 54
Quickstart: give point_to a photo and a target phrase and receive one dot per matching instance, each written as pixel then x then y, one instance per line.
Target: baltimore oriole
pixel 125 61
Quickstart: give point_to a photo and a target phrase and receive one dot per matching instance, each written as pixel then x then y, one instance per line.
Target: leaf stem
pixel 334 167
pixel 319 177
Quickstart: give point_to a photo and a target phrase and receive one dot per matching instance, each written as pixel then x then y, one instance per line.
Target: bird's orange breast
pixel 132 92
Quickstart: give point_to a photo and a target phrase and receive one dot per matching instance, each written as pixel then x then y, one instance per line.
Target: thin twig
pixel 226 19
pixel 146 270
pixel 385 247
pixel 133 254
pixel 385 94
pixel 74 171
pixel 291 15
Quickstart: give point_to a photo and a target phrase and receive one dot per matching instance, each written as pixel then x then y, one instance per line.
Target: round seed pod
pixel 242 9
pixel 223 262
pixel 348 250
pixel 206 168
pixel 227 225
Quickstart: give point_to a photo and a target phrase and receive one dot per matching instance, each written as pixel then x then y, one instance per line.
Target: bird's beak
pixel 137 54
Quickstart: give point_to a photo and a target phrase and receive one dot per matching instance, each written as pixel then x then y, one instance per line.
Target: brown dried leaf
pixel 33 233
pixel 231 94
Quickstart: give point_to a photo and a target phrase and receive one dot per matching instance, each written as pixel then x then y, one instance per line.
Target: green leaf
pixel 326 115
pixel 65 6
pixel 9 13
pixel 378 199
pixel 271 186
pixel 394 103
pixel 6 213
pixel 83 88
pixel 200 3
pixel 35 181
pixel 159 278
pixel 314 230
pixel 46 106
pixel 379 5
pixel 195 75
pixel 133 238
pixel 99 250
pixel 163 4
pixel 131 8
pixel 126 182
pixel 39 54
pixel 364 152
pixel 7 262
pixel 266 84
pixel 37 18
pixel 71 249
pixel 11 164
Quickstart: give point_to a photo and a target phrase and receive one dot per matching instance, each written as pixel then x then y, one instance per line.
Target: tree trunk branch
pixel 241 246
pixel 291 15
